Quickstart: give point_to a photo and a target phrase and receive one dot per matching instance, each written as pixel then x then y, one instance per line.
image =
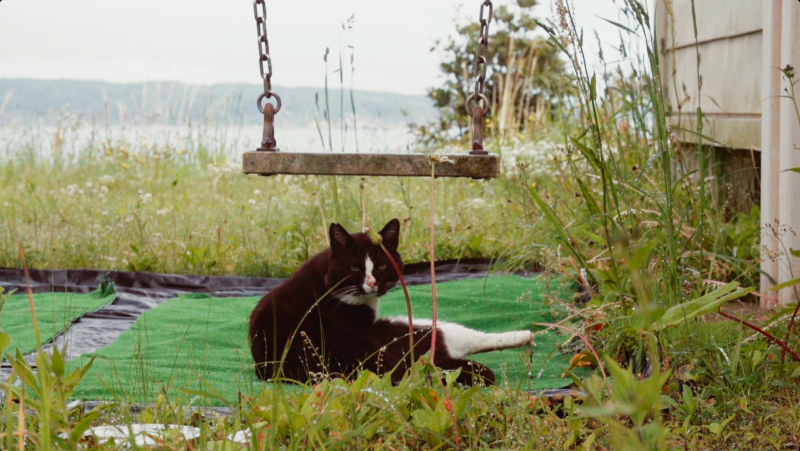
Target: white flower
pixel 476 203
pixel 257 192
pixel 103 189
pixel 162 212
pixel 395 203
pixel 107 179
pixel 145 197
pixel 89 185
pixel 71 190
pixel 252 201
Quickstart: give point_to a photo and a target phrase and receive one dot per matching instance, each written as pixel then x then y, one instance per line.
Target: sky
pixel 203 42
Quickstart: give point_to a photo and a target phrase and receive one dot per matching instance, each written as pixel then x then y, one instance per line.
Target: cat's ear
pixel 391 234
pixel 340 239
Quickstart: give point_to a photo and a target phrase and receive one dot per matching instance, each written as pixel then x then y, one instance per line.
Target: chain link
pixel 263 55
pixel 481 59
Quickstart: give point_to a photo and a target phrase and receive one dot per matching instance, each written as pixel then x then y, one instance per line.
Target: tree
pixel 524 75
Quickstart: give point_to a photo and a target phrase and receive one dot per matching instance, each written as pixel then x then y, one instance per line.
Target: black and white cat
pixel 323 322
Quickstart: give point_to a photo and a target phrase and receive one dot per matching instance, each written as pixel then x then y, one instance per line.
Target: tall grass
pixel 611 205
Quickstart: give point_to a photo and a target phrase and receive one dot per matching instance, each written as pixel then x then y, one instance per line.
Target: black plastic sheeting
pixel 139 292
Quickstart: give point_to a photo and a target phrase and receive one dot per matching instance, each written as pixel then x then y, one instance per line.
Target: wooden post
pixel 780 135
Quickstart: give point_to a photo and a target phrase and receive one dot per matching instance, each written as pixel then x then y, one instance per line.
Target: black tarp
pixel 140 292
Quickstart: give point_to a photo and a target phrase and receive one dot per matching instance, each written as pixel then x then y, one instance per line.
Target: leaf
pixel 593 87
pixel 797 170
pixel 24 371
pixel 789 283
pixel 78 430
pixel 695 308
pixel 75 378
pixel 589 154
pixel 5 340
pixel 434 420
pixel 594 209
pixel 4 298
pixel 794 252
pixel 617 24
pixel 705 137
pixel 57 362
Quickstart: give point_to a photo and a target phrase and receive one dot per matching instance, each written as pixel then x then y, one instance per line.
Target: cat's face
pixel 359 270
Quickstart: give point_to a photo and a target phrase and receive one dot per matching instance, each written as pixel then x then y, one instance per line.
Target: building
pixel 741 46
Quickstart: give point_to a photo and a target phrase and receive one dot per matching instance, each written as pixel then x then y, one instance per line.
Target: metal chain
pixel 481 60
pixel 263 55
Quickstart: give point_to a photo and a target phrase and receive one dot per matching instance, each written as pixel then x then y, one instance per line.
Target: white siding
pixel 729 41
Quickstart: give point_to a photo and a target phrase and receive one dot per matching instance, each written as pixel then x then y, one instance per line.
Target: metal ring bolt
pixel 269 95
pixel 480 98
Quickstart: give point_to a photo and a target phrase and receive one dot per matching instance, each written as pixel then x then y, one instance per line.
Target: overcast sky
pixel 204 42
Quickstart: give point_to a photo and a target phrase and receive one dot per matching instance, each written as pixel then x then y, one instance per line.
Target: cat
pixel 322 322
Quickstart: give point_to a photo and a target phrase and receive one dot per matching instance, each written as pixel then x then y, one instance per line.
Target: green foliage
pixel 523 76
pixel 633 410
pixel 708 303
pixel 46 389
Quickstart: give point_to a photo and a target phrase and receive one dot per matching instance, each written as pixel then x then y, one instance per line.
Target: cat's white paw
pixel 523 338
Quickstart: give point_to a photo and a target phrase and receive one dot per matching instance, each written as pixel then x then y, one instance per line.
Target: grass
pixel 610 202
pixel 145 207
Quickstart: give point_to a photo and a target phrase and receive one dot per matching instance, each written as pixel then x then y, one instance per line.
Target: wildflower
pixel 257 192
pixel 70 190
pixel 145 198
pixel 252 201
pixel 163 211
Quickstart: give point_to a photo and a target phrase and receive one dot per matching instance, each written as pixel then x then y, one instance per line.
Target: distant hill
pixel 175 103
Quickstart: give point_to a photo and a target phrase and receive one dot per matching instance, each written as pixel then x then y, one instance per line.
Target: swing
pixel 269 160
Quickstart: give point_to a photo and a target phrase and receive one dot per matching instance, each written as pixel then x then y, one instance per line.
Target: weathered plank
pixel 402 165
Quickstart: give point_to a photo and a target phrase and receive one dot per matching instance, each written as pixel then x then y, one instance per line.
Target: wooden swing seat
pixel 366 164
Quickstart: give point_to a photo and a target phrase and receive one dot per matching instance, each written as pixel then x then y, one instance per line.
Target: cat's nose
pixel 371 282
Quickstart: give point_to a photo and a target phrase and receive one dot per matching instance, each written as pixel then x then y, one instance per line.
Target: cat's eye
pixel 382 266
pixel 355 269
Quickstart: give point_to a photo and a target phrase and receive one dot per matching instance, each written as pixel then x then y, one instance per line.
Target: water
pixel 69 142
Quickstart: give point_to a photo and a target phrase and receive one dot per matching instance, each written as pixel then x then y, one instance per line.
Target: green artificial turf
pixel 55 312
pixel 196 343
pixel 499 304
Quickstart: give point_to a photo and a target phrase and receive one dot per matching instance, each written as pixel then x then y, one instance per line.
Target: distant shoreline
pixel 175 103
